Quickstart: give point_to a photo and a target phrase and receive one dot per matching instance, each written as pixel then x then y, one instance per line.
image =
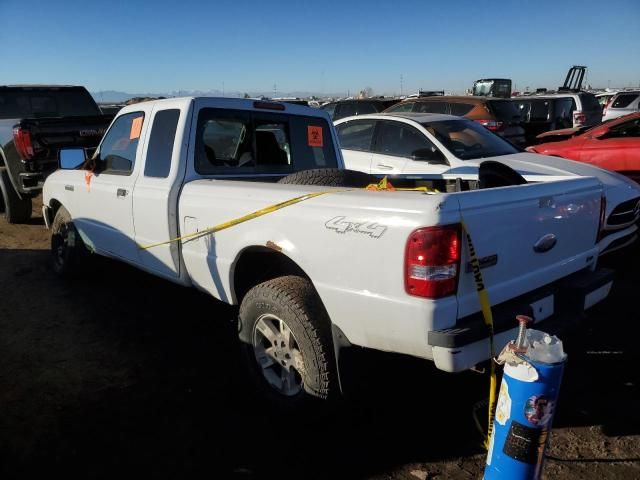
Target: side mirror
pixel 71 158
pixel 431 155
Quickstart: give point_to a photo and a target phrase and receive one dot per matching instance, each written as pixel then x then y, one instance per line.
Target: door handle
pixel 121 192
pixel 385 167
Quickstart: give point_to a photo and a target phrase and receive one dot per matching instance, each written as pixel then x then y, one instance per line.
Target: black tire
pixel 330 177
pixel 68 252
pixel 294 301
pixel 16 209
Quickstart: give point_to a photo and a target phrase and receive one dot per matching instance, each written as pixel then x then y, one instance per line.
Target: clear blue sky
pixel 321 46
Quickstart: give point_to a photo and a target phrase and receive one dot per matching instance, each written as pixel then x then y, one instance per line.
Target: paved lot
pixel 120 373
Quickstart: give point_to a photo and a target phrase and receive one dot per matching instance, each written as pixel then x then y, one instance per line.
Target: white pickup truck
pixel 383 270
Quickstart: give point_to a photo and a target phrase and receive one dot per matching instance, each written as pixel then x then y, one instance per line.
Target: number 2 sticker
pixel 314 136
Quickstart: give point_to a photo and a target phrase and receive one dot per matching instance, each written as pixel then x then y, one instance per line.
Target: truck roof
pixel 38 85
pixel 237 103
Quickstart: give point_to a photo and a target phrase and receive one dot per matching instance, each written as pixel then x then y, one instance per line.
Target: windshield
pixel 468 140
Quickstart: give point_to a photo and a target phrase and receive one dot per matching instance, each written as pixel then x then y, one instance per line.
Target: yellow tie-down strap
pixel 384 185
pixel 485 306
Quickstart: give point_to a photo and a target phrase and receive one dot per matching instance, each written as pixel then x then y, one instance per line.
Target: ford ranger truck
pixel 36 121
pixel 336 266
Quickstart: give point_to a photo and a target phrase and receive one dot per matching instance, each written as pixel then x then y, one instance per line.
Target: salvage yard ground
pixel 121 374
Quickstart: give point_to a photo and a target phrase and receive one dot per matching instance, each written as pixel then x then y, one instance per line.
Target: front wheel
pixel 286 341
pixel 68 252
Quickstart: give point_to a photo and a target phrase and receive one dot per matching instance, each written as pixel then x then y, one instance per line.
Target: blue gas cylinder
pixel 524 415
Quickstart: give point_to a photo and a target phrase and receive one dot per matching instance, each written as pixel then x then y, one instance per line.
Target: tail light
pixel 493 125
pixel 603 213
pixel 22 141
pixel 432 261
pixel 579 119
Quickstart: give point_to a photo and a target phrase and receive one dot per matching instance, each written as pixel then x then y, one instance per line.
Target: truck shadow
pixel 121 371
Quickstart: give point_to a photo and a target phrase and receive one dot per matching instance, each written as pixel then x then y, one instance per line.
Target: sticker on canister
pixel 538 410
pixel 314 136
pixel 503 408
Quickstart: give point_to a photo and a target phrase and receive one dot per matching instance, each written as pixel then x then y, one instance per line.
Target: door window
pixel 120 144
pixel 163 134
pixel 629 129
pixel 623 100
pixel 399 139
pixel 356 135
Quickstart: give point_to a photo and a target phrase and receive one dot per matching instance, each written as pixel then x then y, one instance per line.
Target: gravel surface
pixel 121 374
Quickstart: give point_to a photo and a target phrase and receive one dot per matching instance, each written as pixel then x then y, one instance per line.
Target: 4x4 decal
pixel 340 225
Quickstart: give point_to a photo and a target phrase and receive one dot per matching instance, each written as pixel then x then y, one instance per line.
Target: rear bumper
pixel 553 308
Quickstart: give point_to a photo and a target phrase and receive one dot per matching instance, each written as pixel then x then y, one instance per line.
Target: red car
pixel 613 145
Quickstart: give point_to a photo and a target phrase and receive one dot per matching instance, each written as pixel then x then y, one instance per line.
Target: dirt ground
pixel 121 374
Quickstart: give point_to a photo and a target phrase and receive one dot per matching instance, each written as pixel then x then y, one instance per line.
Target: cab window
pixel 237 142
pixel 120 144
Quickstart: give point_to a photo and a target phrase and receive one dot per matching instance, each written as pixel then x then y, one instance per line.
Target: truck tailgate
pixel 48 135
pixel 544 232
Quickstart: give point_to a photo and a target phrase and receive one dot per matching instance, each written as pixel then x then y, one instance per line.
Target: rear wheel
pixel 286 341
pixel 68 252
pixel 330 177
pixel 16 209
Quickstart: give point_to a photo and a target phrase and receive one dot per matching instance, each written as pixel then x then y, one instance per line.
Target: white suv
pixel 622 103
pixel 580 108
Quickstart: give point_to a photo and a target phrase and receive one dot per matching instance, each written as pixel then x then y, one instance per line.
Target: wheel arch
pixel 257 264
pixel 270 263
pixel 51 210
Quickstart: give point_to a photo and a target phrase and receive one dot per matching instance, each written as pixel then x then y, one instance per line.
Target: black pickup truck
pixel 35 123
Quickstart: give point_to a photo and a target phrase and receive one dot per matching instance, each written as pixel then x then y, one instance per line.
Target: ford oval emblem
pixel 545 243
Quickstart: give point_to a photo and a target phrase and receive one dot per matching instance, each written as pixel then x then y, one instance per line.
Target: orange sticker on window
pixel 136 128
pixel 314 136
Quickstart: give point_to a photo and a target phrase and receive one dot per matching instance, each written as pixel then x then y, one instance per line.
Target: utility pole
pixel 223 88
pixel 274 91
pixel 400 84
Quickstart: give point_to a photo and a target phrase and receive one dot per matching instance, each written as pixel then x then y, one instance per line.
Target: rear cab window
pixel 243 142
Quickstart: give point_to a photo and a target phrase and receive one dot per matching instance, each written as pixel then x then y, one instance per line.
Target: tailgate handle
pixel 385 167
pixel 122 192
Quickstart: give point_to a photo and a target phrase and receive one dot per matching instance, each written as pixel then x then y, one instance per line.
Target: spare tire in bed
pixel 330 177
